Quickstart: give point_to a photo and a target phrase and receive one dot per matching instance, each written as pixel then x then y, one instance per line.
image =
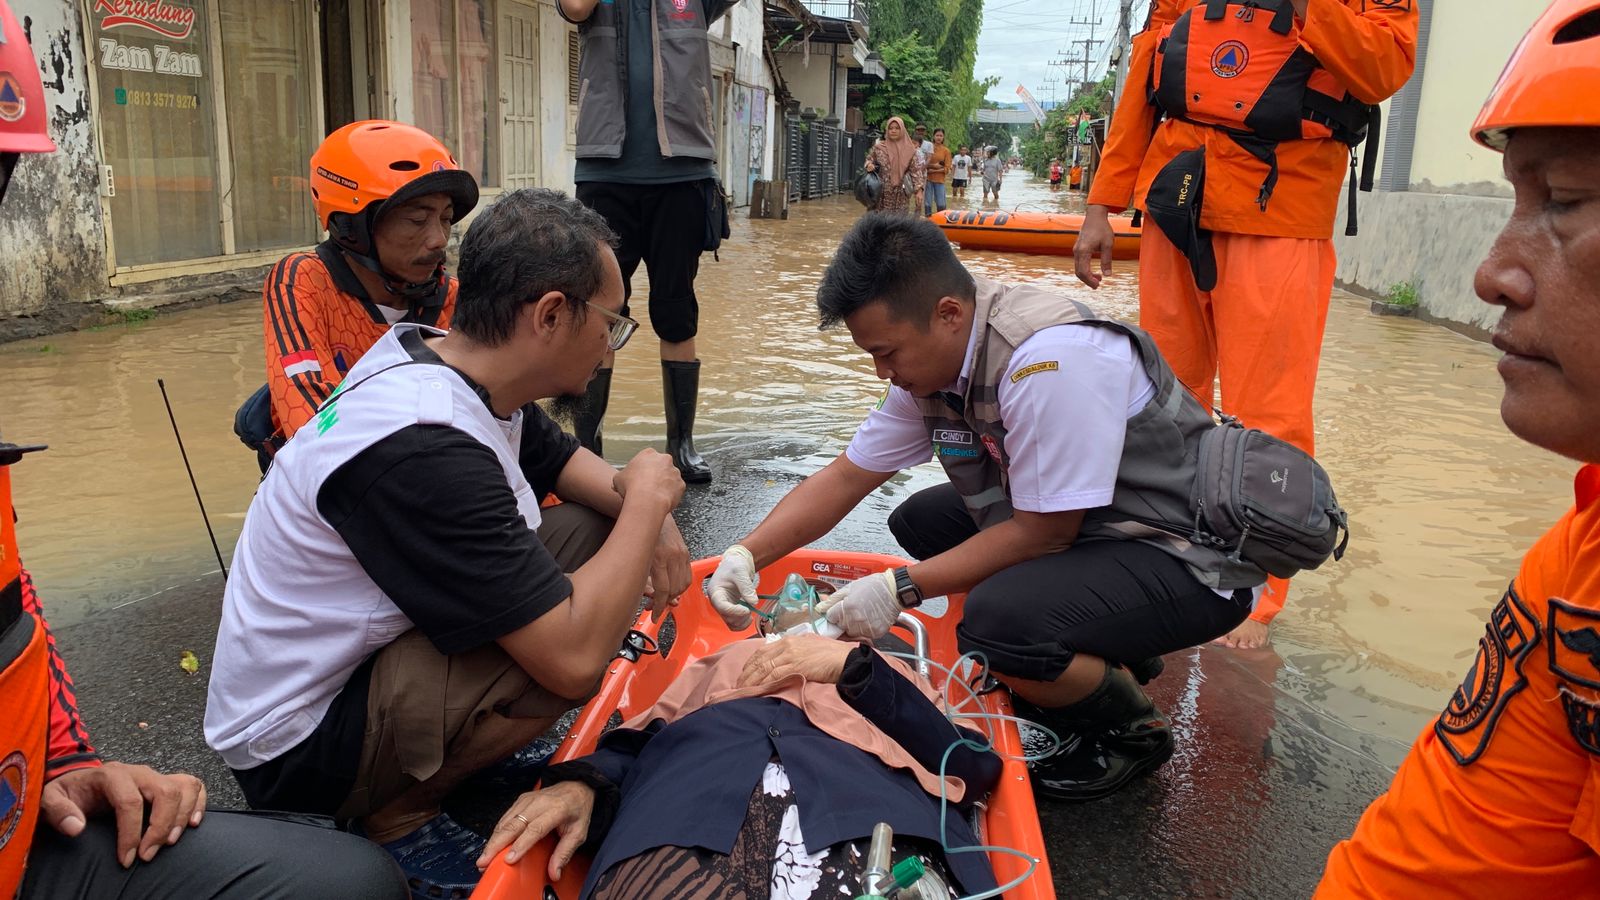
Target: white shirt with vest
pixel 1065 402
pixel 299 612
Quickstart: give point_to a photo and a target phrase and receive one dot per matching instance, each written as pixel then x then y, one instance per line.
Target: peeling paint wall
pixel 52 236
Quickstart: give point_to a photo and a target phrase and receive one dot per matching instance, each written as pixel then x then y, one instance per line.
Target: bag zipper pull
pixel 1239 548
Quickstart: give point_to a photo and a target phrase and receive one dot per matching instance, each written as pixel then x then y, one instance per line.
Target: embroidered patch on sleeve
pixel 1574 645
pixel 1468 721
pixel 1046 366
pixel 1583 719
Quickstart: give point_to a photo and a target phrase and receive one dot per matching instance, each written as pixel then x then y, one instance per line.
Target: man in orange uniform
pixel 72 825
pixel 1500 797
pixel 1252 302
pixel 387 193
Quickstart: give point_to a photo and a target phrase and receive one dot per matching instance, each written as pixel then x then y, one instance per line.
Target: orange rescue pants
pixel 1260 329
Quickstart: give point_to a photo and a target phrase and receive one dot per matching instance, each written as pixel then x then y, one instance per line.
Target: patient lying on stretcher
pixel 761 772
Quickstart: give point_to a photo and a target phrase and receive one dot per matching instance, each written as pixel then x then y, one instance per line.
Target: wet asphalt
pixel 1261 786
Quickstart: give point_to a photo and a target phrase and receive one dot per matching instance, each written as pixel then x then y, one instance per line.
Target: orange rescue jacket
pixel 41 735
pixel 1369 46
pixel 317 321
pixel 1500 797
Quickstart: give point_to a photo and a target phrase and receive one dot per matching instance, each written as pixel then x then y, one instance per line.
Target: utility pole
pixel 1088 44
pixel 1124 49
pixel 1093 22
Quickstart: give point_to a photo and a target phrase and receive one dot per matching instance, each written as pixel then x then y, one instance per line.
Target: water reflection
pixel 1443 500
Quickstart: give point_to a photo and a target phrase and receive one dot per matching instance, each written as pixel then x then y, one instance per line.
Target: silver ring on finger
pixel 521 818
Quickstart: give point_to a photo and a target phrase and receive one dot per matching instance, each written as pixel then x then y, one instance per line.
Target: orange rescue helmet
pixel 23 126
pixel 366 165
pixel 1552 78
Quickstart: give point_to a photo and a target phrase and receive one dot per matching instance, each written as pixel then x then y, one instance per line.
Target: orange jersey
pixel 1500 797
pixel 317 321
pixel 1369 45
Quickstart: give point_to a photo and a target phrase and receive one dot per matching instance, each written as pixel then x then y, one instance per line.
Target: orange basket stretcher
pixel 1008 818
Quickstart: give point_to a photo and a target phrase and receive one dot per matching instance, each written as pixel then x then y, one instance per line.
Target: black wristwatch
pixel 910 595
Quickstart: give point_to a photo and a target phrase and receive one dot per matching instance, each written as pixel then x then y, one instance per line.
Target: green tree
pixel 1052 139
pixel 914 84
pixel 948 28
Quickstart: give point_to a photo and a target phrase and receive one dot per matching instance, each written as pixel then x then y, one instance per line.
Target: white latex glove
pixel 864 608
pixel 734 580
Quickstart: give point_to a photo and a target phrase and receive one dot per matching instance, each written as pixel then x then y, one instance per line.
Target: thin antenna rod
pixel 186 467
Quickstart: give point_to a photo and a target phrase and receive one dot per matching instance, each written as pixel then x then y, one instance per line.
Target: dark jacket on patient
pixel 688 784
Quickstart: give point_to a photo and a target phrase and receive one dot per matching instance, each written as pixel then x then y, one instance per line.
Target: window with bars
pixel 572 68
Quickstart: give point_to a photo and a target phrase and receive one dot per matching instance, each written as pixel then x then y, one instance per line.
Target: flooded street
pixel 1443 502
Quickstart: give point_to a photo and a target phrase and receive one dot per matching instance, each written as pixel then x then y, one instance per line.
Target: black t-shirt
pixel 428 514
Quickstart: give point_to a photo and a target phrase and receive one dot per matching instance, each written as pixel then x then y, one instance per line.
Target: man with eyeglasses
pixel 401 615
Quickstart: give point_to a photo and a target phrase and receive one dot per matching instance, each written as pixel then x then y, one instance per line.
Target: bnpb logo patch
pixel 1468 721
pixel 13 794
pixel 12 104
pixel 1229 59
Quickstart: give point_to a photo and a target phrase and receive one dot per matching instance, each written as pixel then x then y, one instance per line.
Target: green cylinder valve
pixel 908 872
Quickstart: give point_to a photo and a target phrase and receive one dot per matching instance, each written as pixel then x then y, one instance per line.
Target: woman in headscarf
pixel 898 162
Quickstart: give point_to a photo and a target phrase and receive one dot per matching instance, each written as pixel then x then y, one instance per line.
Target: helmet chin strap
pixel 413 292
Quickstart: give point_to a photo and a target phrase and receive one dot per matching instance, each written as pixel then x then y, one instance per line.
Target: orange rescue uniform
pixel 41 734
pixel 1500 797
pixel 1261 326
pixel 318 320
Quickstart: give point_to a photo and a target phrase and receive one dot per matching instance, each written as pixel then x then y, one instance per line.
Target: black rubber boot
pixel 681 390
pixel 589 421
pixel 1109 738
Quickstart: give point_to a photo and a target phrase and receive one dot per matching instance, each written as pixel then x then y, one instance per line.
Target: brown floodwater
pixel 1443 500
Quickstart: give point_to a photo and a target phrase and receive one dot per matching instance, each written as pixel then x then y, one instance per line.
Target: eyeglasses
pixel 620 328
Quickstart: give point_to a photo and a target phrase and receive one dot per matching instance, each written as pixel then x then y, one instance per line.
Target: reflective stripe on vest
pixel 24 727
pixel 1157 471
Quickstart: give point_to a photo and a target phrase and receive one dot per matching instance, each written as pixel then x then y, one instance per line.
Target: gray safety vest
pixel 1156 476
pixel 682 78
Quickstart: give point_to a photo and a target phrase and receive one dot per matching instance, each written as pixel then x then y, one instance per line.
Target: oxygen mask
pixel 792 610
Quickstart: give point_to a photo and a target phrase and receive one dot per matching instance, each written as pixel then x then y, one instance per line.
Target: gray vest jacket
pixel 682 78
pixel 1156 476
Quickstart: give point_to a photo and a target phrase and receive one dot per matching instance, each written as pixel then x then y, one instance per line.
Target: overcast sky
pixel 1021 37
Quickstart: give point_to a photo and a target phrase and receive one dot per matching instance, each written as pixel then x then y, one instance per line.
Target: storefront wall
pixel 186 125
pixel 206 112
pixel 52 235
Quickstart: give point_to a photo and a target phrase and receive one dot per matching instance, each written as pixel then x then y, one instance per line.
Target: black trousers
pixel 1123 601
pixel 260 856
pixel 664 226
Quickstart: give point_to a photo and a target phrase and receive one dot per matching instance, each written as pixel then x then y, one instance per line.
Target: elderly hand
pixel 176 802
pixel 732 582
pixel 864 608
pixel 817 659
pixel 564 808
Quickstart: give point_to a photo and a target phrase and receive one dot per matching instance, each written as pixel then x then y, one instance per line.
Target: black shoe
pixel 1147 670
pixel 589 421
pixel 521 770
pixel 1099 765
pixel 681 391
pixel 1116 734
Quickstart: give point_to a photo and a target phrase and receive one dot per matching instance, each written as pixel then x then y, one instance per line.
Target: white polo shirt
pixel 1064 425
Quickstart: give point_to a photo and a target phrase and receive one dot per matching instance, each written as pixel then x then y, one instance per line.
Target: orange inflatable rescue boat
pixel 652 660
pixel 1029 232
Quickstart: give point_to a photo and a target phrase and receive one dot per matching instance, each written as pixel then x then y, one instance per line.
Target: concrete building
pixel 1441 197
pixel 185 127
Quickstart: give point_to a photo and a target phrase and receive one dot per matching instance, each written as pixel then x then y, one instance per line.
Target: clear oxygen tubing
pixel 944 760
